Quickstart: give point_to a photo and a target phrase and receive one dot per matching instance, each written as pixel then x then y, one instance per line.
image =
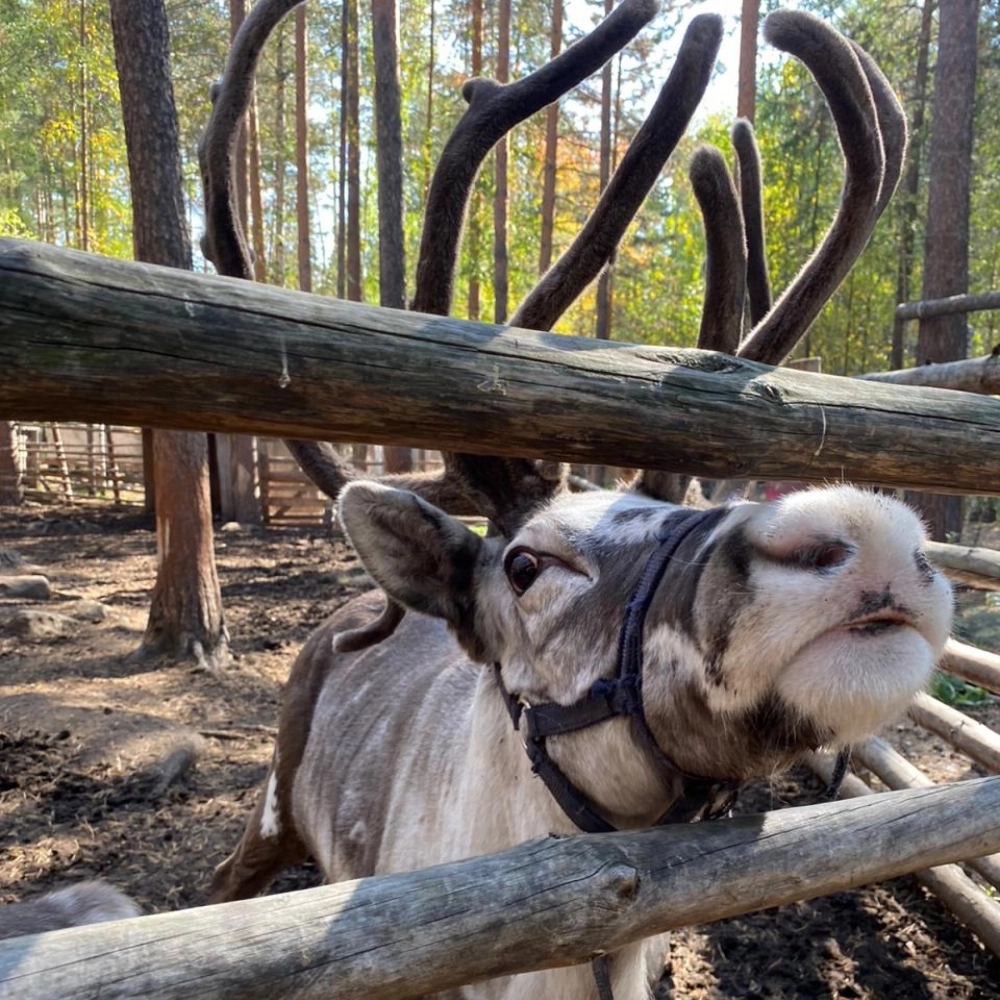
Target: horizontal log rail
pixel 977 666
pixel 949 306
pixel 90 338
pixel 896 772
pixel 949 883
pixel 546 903
pixel 960 730
pixel 977 566
pixel 969 375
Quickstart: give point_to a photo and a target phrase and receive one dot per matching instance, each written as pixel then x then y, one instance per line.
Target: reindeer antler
pixel 871 128
pixel 751 201
pixel 494 109
pixel 224 243
pixel 872 132
pixel 639 168
pixel 466 484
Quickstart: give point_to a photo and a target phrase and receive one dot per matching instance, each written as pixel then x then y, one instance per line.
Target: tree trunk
pixel 389 155
pixel 429 125
pixel 342 160
pixel 233 469
pixel 501 265
pixel 603 327
pixel 84 163
pixel 302 153
pixel 389 152
pixel 551 150
pixel 185 617
pixel 354 288
pixel 746 100
pixel 906 198
pixel 473 228
pixel 11 484
pixel 946 248
pixel 278 218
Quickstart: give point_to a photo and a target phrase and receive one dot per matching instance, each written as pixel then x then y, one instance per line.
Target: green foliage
pixel 46 131
pixel 953 691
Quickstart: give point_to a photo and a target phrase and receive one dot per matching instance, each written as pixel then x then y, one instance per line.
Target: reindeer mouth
pixel 880 621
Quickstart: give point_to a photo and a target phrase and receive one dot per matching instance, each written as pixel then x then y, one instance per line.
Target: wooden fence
pixel 546 903
pixel 73 461
pixel 289 499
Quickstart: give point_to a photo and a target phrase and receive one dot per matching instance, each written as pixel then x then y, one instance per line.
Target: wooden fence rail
pixel 949 306
pixel 90 338
pixel 550 902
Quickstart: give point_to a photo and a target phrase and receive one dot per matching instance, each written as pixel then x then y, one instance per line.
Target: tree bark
pixel 185 617
pixel 501 264
pixel 302 153
pixel 354 286
pixel 746 98
pixel 11 484
pixel 603 328
pixel 946 248
pixel 84 162
pixel 389 157
pixel 551 150
pixel 90 338
pixel 277 261
pixel 389 154
pixel 473 237
pixel 906 197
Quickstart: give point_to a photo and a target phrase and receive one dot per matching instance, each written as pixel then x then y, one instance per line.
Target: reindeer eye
pixel 522 567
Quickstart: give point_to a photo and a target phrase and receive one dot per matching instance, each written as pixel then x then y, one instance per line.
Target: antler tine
pixel 891 124
pixel 627 189
pixel 839 73
pixel 225 243
pixel 725 252
pixel 751 199
pixel 494 109
pixel 725 288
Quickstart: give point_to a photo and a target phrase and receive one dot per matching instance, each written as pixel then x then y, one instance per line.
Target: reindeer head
pixel 804 622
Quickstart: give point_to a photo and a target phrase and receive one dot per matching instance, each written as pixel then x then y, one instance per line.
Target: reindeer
pixel 84 903
pixel 601 660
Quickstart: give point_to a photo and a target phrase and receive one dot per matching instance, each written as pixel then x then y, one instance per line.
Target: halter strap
pixel 621 695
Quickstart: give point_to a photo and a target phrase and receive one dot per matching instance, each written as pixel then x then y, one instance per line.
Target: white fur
pixel 270 822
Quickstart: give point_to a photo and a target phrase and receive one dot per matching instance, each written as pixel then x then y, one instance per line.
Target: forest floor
pixel 84 736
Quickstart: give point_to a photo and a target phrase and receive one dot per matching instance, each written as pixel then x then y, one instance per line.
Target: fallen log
pixel 980 375
pixel 546 903
pixel 949 883
pixel 973 738
pixel 970 564
pixel 89 338
pixel 977 666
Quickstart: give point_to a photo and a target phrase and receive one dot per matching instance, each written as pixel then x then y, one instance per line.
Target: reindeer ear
pixel 418 554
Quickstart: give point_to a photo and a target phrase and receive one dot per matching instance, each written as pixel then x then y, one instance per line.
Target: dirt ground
pixel 91 784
